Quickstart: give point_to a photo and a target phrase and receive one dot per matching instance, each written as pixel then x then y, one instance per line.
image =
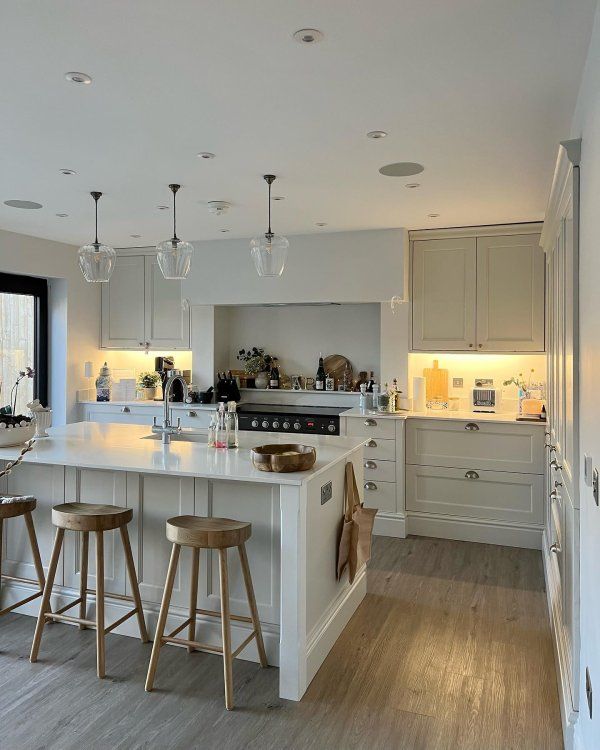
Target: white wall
pixel 297 333
pixel 74 312
pixel 365 266
pixel 586 125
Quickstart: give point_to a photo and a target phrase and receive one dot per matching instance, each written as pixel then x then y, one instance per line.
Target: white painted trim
pixel 474 530
pixel 390 524
pixel 492 230
pixel 569 716
pixel 329 628
pixel 568 157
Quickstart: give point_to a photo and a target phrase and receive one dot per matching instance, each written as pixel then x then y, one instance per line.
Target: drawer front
pixel 191 418
pixel 383 471
pixel 380 495
pixel 123 414
pixel 380 448
pixel 383 427
pixel 489 495
pixel 478 445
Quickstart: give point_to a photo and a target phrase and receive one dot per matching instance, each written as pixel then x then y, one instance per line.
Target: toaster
pixel 485 399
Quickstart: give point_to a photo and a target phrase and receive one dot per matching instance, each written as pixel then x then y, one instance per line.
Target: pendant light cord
pixel 96 240
pixel 270 232
pixel 174 216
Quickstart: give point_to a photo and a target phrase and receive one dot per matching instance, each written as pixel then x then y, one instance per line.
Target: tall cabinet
pixel 478 289
pixel 560 241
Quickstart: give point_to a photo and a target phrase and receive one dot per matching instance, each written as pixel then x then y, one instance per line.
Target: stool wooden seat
pixel 208 533
pixel 86 518
pixel 23 506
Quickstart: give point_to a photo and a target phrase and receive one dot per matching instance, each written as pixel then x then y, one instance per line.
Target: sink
pixel 181 437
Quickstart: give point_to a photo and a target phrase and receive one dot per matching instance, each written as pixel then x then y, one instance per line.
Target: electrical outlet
pixel 457 382
pixel 326 493
pixel 588 689
pixel 595 486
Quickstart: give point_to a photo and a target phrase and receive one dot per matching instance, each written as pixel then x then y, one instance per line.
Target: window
pixel 23 338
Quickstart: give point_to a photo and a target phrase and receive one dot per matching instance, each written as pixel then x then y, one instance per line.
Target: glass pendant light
pixel 96 261
pixel 174 255
pixel 269 251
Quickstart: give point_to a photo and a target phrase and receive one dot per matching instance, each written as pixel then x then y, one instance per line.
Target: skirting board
pixel 329 628
pixel 209 627
pixel 471 530
pixel 568 716
pixel 390 524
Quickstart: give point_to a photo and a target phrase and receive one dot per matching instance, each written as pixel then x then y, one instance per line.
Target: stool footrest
pixel 243 644
pixel 180 628
pixel 121 620
pixel 212 613
pixel 67 606
pixel 70 619
pixel 192 644
pixel 59 617
pixel 6 610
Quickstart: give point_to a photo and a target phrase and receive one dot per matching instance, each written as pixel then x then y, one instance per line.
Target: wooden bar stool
pixel 87 517
pixel 208 533
pixel 11 507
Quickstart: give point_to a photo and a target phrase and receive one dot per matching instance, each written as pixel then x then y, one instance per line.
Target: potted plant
pixel 147 381
pixel 257 365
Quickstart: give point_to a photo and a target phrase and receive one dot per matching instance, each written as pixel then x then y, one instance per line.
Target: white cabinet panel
pixel 107 413
pixel 198 419
pixel 380 495
pixel 496 495
pixel 380 471
pixel 167 320
pixel 47 485
pixel 443 294
pixel 371 427
pixel 123 304
pixel 510 293
pixel 154 498
pixel 380 448
pixel 95 486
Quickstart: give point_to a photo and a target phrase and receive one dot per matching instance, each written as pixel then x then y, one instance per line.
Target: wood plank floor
pixel 450 650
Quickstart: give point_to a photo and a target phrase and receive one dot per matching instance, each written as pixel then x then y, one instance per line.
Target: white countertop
pixel 120 447
pixel 465 416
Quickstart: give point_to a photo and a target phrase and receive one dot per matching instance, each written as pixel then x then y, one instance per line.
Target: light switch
pixel 457 382
pixel 587 469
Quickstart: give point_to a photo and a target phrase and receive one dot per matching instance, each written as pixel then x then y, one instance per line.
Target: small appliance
pixel 484 397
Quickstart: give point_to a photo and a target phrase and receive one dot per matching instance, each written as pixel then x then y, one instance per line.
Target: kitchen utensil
pixel 436 380
pixel 336 365
pixel 284 458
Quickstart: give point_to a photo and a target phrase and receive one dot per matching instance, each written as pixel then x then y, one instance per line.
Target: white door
pixel 123 305
pixel 510 294
pixel 167 319
pixel 444 287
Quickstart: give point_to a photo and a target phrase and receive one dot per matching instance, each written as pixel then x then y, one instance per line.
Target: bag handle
pixel 351 496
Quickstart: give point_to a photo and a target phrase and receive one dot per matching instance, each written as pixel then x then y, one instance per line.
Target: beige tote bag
pixel 357 526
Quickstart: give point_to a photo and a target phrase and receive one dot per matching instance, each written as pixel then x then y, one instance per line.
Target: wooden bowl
pixel 284 457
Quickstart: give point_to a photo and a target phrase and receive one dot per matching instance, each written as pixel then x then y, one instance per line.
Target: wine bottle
pixel 274 376
pixel 321 377
pixel 370 382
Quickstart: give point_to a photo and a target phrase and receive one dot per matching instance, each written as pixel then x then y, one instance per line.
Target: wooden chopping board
pixel 436 382
pixel 335 365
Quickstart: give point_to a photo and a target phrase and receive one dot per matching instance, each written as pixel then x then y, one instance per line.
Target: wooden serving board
pixel 436 382
pixel 335 365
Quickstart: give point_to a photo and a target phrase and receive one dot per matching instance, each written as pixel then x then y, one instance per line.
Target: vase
pixel 150 393
pixel 262 380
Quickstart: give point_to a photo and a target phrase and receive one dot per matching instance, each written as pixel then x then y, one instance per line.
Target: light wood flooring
pixel 450 650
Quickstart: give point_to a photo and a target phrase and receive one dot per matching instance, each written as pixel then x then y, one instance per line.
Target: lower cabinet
pixel 121 414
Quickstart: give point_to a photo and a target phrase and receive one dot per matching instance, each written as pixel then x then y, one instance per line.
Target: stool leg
pixel 133 581
pixel 1 538
pixel 193 596
pixel 226 629
pixel 35 550
pixel 45 605
pixel 162 617
pixel 100 635
pixel 252 604
pixel 85 546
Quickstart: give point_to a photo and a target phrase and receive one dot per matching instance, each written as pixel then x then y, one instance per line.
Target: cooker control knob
pixel 331 428
pixel 297 425
pixel 255 423
pixel 286 425
pixel 265 424
pixel 275 425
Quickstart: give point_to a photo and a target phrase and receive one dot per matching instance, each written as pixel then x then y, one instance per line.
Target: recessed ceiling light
pixel 278 197
pixel 223 230
pixel 68 171
pixel 135 236
pixel 62 216
pixel 401 169
pixel 75 77
pixel 205 155
pixel 413 185
pixel 22 204
pixel 321 224
pixel 163 208
pixel 433 216
pixel 376 134
pixel 308 36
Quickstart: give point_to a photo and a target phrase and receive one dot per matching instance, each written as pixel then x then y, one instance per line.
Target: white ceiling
pixel 479 91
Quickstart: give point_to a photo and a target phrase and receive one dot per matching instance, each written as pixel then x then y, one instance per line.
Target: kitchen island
pixel 292 551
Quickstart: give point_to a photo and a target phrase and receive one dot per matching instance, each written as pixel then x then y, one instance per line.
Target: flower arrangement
pixel 255 360
pixel 28 372
pixel 519 381
pixel 148 379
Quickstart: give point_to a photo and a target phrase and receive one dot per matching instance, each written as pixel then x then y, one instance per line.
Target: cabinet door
pixel 510 294
pixel 123 414
pixel 444 286
pixel 123 305
pixel 167 323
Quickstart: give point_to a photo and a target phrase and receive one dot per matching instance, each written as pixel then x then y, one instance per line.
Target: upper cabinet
pixel 141 309
pixel 480 292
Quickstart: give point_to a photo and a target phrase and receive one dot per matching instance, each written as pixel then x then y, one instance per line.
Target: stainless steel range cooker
pixel 323 420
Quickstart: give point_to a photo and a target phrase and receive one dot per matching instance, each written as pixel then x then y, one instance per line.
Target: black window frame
pixel 38 289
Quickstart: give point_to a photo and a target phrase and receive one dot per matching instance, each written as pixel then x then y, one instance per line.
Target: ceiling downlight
pixel 22 204
pixel 401 169
pixel 376 134
pixel 205 155
pixel 308 36
pixel 74 76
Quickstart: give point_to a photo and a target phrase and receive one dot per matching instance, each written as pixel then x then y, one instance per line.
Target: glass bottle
pixel 221 428
pixel 231 425
pixel 212 431
pixel 320 378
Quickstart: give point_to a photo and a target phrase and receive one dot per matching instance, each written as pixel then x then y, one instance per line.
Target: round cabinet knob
pixel 331 428
pixel 286 425
pixel 275 425
pixel 297 425
pixel 255 423
pixel 265 424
